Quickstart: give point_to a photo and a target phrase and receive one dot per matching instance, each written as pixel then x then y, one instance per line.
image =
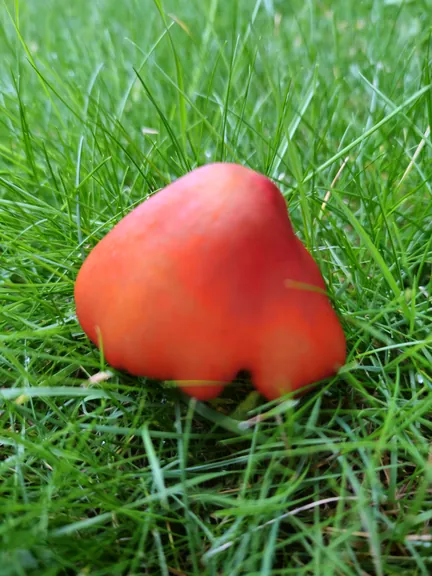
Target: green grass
pixel 105 102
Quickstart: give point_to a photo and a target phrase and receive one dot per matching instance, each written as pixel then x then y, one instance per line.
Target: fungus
pixel 207 278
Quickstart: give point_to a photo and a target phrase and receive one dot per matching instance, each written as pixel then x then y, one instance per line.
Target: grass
pixel 105 102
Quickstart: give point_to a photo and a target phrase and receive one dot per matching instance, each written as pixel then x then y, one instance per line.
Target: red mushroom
pixel 205 279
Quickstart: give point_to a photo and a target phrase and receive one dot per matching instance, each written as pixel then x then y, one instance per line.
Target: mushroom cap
pixel 207 278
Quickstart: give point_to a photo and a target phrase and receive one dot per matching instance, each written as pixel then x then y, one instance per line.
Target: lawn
pixel 105 102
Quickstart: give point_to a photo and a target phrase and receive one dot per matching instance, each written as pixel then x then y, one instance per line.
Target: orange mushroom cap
pixel 207 278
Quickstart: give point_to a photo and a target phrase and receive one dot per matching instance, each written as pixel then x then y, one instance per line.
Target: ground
pixel 105 102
